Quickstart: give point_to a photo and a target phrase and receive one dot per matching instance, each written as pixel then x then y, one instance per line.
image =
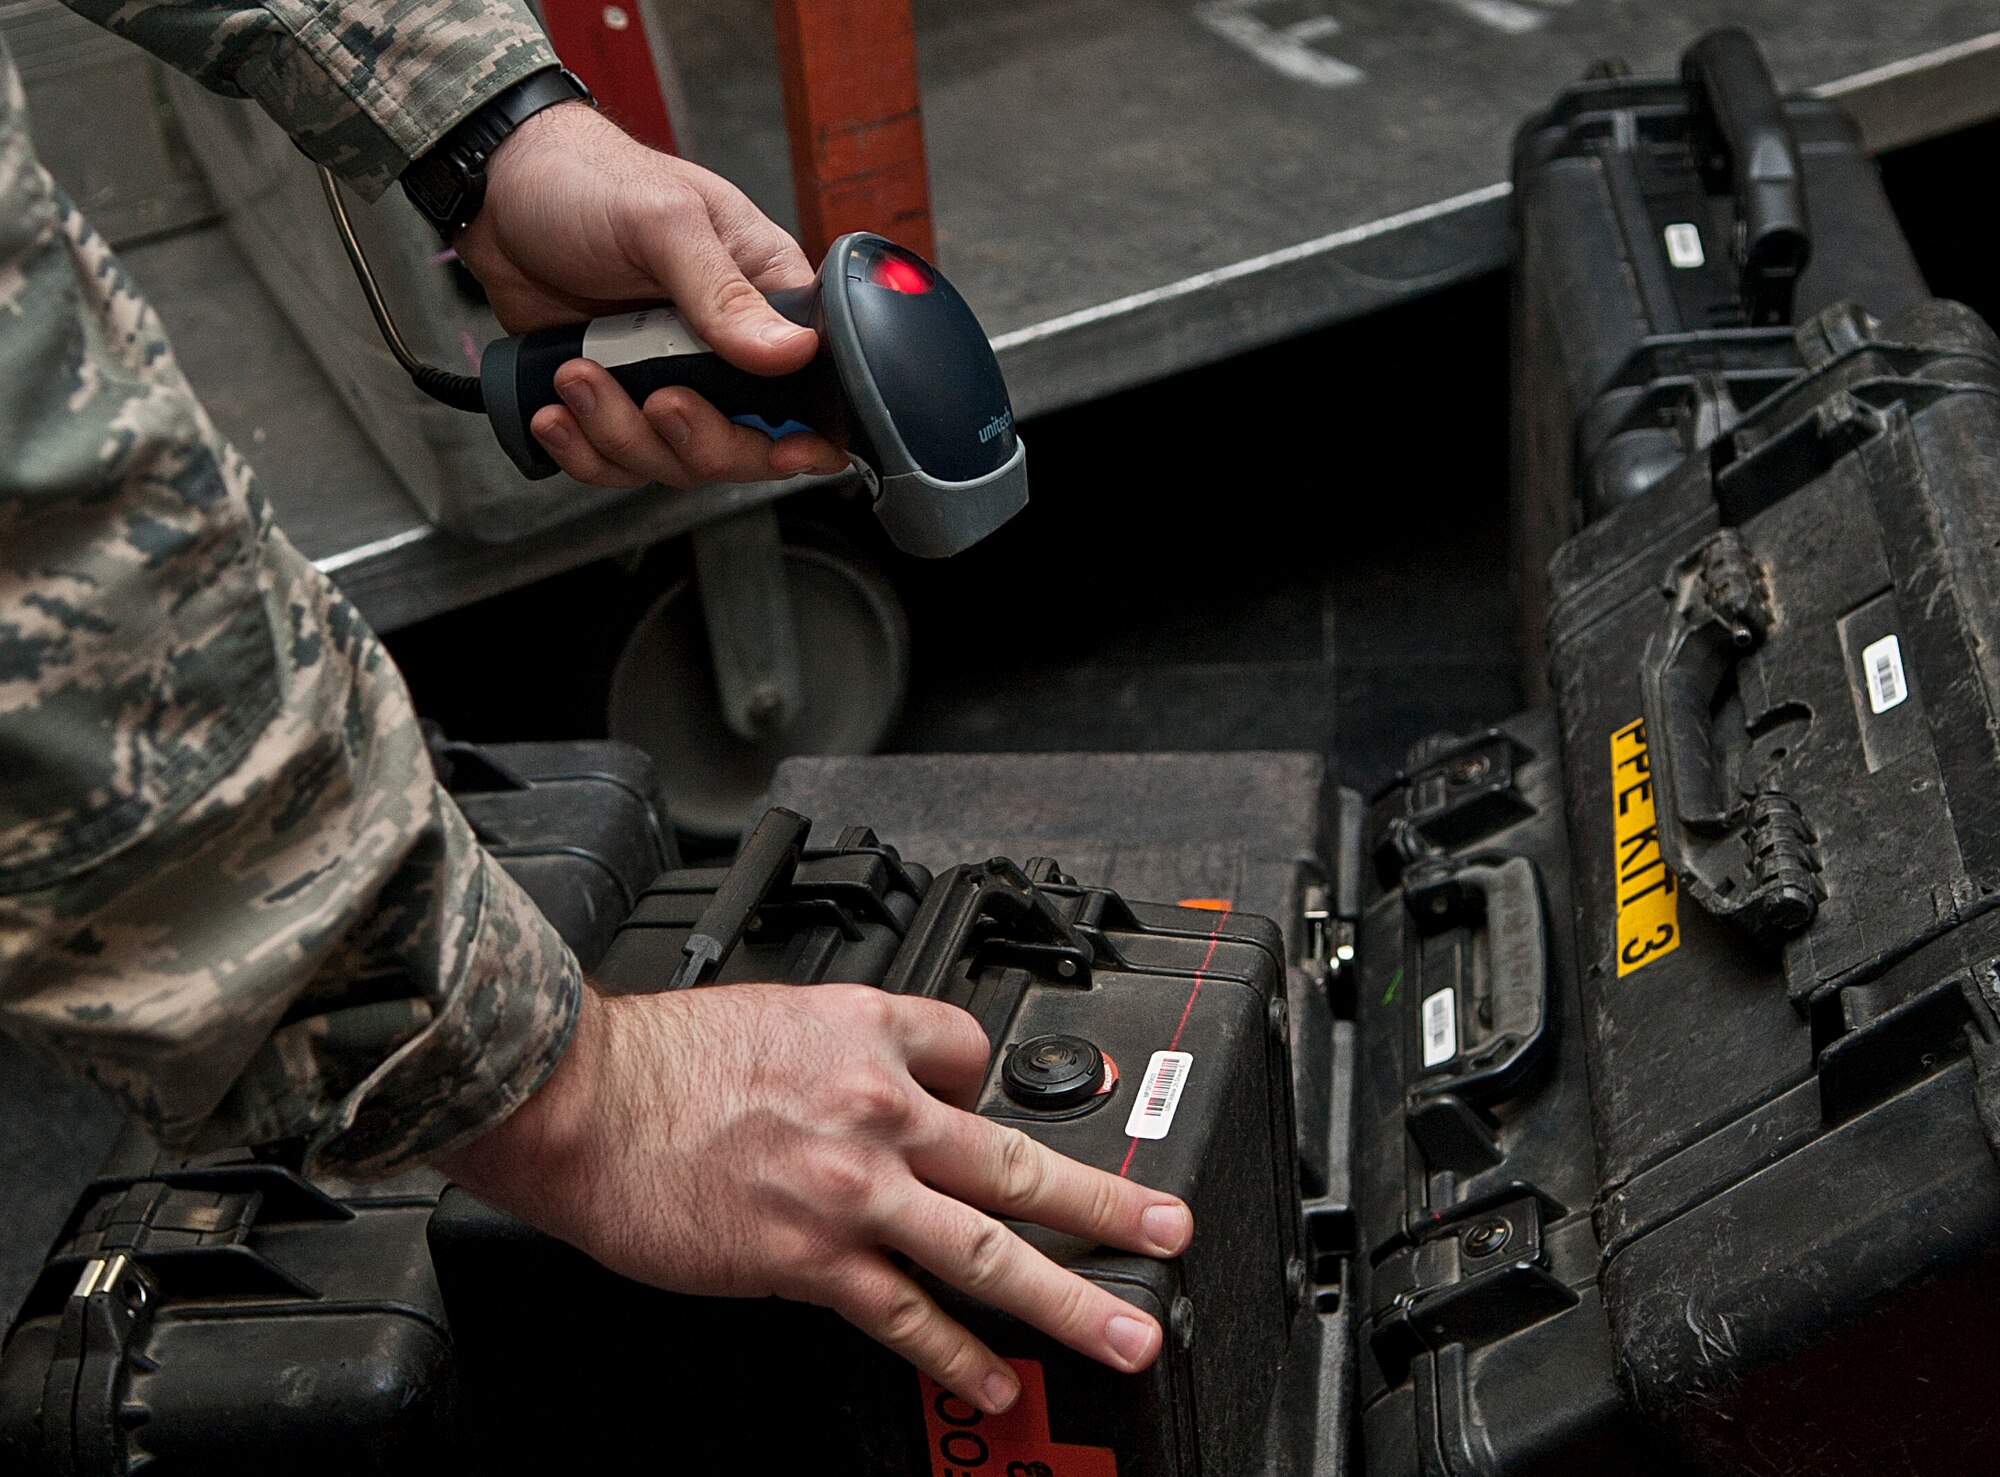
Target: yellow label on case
pixel 1649 925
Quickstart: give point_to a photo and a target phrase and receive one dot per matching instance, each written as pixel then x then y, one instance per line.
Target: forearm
pixel 539 1147
pixel 363 86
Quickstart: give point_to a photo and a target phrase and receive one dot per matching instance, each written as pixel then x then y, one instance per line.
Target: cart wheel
pixel 854 660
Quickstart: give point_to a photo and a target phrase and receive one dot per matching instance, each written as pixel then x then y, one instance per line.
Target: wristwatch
pixel 448 184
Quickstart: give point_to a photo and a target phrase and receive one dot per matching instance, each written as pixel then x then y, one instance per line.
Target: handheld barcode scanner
pixel 904 381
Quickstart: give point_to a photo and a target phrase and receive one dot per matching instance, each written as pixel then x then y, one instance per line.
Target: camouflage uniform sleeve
pixel 231 891
pixel 363 86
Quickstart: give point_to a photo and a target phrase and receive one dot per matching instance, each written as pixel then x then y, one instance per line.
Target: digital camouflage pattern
pixel 231 891
pixel 363 86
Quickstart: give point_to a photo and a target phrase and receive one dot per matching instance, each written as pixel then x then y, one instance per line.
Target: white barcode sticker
pixel 1440 1017
pixel 1159 1095
pixel 1882 664
pixel 1684 245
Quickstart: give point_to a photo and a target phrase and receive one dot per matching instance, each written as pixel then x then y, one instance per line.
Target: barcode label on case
pixel 1684 245
pixel 1159 1095
pixel 1882 661
pixel 1440 1017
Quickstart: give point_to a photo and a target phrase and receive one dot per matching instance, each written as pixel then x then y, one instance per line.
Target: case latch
pixel 1453 791
pixel 1479 1280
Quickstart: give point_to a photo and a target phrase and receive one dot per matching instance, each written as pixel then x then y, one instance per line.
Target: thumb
pixel 695 270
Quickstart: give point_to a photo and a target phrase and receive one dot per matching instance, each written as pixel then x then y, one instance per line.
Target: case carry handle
pixel 1745 854
pixel 1734 95
pixel 1501 899
pixel 1033 932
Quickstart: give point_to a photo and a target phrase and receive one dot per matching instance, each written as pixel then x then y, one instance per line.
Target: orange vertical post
pixel 855 119
pixel 605 43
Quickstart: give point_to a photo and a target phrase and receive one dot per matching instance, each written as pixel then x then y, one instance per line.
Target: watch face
pixel 433 188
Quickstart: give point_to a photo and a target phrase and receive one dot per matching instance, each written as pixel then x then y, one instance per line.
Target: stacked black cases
pixel 1669 233
pixel 223 1313
pixel 1767 955
pixel 1484 1343
pixel 1254 830
pixel 1778 675
pixel 1181 1012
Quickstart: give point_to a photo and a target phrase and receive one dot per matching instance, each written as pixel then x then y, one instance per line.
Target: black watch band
pixel 448 184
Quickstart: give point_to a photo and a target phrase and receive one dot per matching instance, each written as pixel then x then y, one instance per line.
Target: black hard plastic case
pixel 1031 955
pixel 226 1314
pixel 1669 233
pixel 1683 1158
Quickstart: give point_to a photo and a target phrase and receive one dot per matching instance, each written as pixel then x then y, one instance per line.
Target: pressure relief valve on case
pixel 904 381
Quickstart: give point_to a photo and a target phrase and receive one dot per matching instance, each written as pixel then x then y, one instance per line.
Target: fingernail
pixel 1131 1339
pixel 1168 1227
pixel 556 436
pixel 792 462
pixel 1001 1390
pixel 780 333
pixel 674 426
pixel 578 396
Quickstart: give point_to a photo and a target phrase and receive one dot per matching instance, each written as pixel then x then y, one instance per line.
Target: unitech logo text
pixel 1000 424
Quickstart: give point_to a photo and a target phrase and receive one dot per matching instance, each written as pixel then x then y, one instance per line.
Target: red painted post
pixel 605 43
pixel 852 108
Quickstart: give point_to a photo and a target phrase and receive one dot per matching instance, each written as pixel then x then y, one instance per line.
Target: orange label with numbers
pixel 1649 925
pixel 966 1442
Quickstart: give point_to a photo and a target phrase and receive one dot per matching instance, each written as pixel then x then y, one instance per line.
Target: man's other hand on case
pixel 581 220
pixel 750 1140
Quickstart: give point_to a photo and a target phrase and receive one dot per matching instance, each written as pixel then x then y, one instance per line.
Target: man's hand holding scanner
pixel 581 220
